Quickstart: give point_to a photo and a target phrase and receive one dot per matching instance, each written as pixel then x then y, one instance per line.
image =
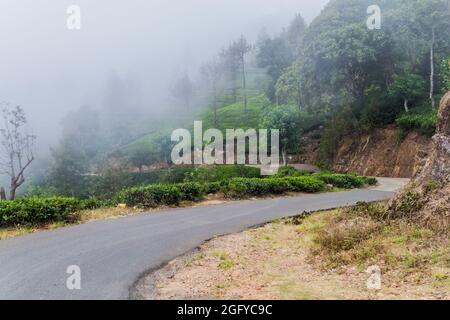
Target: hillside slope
pixel 380 154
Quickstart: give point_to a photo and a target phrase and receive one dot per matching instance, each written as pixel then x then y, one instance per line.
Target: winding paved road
pixel 112 254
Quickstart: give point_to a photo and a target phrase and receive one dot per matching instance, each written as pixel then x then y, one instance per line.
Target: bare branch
pixel 16 152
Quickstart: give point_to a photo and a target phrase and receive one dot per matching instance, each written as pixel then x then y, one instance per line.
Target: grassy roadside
pixel 321 256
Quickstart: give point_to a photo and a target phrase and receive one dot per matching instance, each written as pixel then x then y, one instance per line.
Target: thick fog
pixel 50 70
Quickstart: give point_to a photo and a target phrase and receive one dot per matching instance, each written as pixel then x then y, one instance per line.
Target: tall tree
pixel 287 88
pixel 68 167
pixel 183 90
pixel 17 147
pixel 445 74
pixel 295 32
pixel 236 54
pixel 434 18
pixel 275 55
pixel 212 71
pixel 407 85
pixel 287 120
pixel 230 67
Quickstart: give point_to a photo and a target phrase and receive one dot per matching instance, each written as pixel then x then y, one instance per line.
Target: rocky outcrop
pixel 437 167
pixel 427 197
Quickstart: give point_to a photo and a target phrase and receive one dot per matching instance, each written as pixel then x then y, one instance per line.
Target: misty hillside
pixel 318 80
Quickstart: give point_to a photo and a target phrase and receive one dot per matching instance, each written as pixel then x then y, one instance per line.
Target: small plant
pixel 225 262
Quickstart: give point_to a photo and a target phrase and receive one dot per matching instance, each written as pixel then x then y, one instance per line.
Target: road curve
pixel 112 254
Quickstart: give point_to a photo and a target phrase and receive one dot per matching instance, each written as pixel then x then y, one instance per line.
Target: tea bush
pixel 34 210
pixel 242 188
pixel 346 181
pixel 151 196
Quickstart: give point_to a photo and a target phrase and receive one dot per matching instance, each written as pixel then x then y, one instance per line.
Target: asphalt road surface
pixel 113 254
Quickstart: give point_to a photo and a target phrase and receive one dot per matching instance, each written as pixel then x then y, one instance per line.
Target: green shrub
pixel 34 210
pixel 95 203
pixel 305 184
pixel 243 188
pixel 424 122
pixel 346 181
pixel 212 187
pixel 220 173
pixel 288 171
pixel 191 191
pixel 371 181
pixel 151 196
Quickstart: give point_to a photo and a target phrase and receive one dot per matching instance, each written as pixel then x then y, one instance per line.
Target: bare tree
pixel 16 148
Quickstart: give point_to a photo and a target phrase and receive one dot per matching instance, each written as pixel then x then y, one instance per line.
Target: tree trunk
pixel 2 193
pixel 215 105
pixel 283 154
pixel 244 85
pixel 405 104
pixel 12 192
pixel 433 103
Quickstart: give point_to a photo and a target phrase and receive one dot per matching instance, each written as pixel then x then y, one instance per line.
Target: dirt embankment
pixel 380 154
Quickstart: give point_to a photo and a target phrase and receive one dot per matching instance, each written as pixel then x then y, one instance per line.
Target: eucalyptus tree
pixel 235 56
pixel 212 71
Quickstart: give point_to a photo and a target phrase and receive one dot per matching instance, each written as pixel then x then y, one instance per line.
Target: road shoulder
pixel 280 260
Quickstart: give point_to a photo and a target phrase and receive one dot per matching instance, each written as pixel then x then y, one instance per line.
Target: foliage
pixel 34 210
pixel 191 191
pixel 231 116
pixel 212 187
pixel 445 74
pixel 346 181
pixel 220 173
pixel 67 169
pixel 420 120
pixel 288 171
pixel 154 195
pixel 151 196
pixel 243 188
pixel 407 85
pixel 287 87
pixel 287 120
